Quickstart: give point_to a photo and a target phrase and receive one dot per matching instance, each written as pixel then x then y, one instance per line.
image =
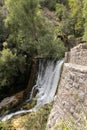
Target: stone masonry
pixel 70 105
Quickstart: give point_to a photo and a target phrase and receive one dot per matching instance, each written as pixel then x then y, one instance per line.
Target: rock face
pixel 78 55
pixel 10 102
pixel 32 77
pixel 70 106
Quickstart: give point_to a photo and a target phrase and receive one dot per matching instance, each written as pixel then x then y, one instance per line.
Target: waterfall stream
pixel 46 84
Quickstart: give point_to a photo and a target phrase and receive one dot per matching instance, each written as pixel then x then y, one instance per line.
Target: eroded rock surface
pixel 9 102
pixel 71 101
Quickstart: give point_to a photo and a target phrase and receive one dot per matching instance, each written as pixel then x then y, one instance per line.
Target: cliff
pixel 70 105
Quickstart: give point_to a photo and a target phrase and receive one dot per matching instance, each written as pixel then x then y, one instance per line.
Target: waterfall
pixel 46 84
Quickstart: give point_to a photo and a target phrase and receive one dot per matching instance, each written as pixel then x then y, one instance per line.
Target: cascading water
pixel 46 85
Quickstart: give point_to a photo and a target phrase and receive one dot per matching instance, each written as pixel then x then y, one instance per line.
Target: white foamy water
pixel 46 84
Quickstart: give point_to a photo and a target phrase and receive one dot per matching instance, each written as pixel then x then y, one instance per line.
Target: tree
pixel 8 68
pixel 22 22
pixel 85 17
pixel 71 20
pixel 28 28
pixel 3 30
pixel 50 4
pixel 11 66
pixel 76 13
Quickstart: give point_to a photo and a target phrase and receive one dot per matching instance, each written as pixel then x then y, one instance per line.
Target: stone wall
pixel 71 101
pixel 78 55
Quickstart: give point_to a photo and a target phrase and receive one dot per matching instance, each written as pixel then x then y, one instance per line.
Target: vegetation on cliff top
pixel 27 31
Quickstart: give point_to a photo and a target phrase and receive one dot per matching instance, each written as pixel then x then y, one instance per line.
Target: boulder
pixel 10 102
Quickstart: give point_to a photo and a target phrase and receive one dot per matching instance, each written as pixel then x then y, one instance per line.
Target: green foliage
pixel 32 34
pixel 3 30
pixel 50 4
pixel 85 32
pixel 85 17
pixel 48 45
pixel 38 120
pixel 22 21
pixel 76 14
pixel 70 15
pixel 9 66
pixel 61 11
pixel 4 126
pixel 30 121
pixel 52 50
pixel 1 126
pixel 62 126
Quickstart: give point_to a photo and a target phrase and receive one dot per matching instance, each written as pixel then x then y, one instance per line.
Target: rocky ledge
pixel 10 102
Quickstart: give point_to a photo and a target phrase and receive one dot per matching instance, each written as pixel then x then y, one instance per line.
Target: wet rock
pixel 10 102
pixel 32 77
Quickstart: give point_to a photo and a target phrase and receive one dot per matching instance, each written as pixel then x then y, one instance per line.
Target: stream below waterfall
pixel 46 85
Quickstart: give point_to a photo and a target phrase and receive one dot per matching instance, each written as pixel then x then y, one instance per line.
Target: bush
pixel 50 4
pixel 9 66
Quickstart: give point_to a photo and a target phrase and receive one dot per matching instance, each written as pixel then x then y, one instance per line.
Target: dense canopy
pixel 37 28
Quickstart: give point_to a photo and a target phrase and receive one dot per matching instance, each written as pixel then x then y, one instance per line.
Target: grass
pixel 38 120
pixel 30 121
